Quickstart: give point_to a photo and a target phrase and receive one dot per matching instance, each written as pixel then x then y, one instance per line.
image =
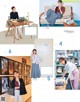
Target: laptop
pixel 21 19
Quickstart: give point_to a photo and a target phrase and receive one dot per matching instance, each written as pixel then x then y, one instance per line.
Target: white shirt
pixel 35 59
pixel 70 67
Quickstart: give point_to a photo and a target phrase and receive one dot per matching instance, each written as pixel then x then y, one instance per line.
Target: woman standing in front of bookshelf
pixel 35 73
pixel 73 72
pixel 19 87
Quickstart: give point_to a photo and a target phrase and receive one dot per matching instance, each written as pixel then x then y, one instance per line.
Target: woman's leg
pixel 16 96
pixel 75 82
pixel 19 32
pixel 51 16
pixel 20 98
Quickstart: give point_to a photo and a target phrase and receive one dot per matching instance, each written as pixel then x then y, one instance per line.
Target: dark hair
pixel 12 7
pixel 34 50
pixel 62 59
pixel 59 1
pixel 16 72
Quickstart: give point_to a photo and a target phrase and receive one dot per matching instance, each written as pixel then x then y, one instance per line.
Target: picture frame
pixel 10 81
pixel 11 67
pixel 28 68
pixel 24 61
pixel 4 84
pixel 25 80
pixel 16 66
pixel 20 68
pixel 23 68
pixel 4 66
pixel 28 80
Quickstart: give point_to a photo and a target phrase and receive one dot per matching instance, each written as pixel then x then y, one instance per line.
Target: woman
pixel 14 15
pixel 19 87
pixel 35 64
pixel 60 9
pixel 72 70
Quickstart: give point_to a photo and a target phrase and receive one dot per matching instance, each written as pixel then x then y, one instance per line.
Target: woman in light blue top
pixel 35 73
pixel 73 72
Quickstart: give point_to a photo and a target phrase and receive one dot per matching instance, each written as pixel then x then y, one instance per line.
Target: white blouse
pixel 70 67
pixel 35 59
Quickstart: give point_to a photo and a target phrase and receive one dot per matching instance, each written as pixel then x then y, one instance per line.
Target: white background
pixel 42 89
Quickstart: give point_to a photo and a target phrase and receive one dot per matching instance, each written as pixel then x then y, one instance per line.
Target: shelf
pixel 60 65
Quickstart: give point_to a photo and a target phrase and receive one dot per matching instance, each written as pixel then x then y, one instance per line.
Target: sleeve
pixel 39 59
pixel 11 16
pixel 17 16
pixel 56 9
pixel 12 84
pixel 63 10
pixel 68 69
pixel 22 84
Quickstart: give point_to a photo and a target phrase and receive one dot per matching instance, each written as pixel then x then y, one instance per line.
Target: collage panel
pixel 42 60
pixel 9 82
pixel 67 70
pixel 19 25
pixel 59 13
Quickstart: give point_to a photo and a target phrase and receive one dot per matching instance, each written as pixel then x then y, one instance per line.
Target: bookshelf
pixel 71 55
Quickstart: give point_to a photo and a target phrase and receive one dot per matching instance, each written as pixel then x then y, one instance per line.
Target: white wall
pixel 75 5
pixel 45 51
pixel 22 6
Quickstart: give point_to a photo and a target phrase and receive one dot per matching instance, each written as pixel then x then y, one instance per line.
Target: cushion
pixel 49 7
pixel 67 11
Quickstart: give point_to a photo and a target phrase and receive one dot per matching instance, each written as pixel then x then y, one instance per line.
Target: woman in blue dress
pixel 35 73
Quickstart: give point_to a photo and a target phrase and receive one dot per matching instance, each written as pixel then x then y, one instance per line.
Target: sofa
pixel 67 15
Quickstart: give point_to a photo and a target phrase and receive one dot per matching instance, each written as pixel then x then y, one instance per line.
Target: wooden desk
pixel 71 25
pixel 15 24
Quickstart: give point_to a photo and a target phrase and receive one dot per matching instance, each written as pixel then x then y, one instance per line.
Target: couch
pixel 68 14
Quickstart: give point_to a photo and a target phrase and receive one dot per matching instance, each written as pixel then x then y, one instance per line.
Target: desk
pixel 15 24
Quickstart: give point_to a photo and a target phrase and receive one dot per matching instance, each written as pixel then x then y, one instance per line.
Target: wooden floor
pixel 29 100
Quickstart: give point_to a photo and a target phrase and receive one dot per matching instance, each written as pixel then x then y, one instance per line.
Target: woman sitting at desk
pixel 72 70
pixel 14 15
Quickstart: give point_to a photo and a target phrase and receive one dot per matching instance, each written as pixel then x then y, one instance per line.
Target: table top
pixel 16 23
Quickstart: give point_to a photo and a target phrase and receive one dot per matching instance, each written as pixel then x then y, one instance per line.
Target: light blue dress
pixel 35 73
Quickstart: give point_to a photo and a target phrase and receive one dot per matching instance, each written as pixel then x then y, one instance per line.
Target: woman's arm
pixel 11 16
pixel 17 15
pixel 64 74
pixel 12 84
pixel 22 84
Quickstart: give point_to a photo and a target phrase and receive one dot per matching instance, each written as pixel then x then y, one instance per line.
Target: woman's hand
pixel 60 9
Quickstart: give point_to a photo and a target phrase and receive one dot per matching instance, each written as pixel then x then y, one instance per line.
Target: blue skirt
pixel 35 71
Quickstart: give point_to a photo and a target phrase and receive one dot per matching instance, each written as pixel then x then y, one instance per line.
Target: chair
pixel 9 26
